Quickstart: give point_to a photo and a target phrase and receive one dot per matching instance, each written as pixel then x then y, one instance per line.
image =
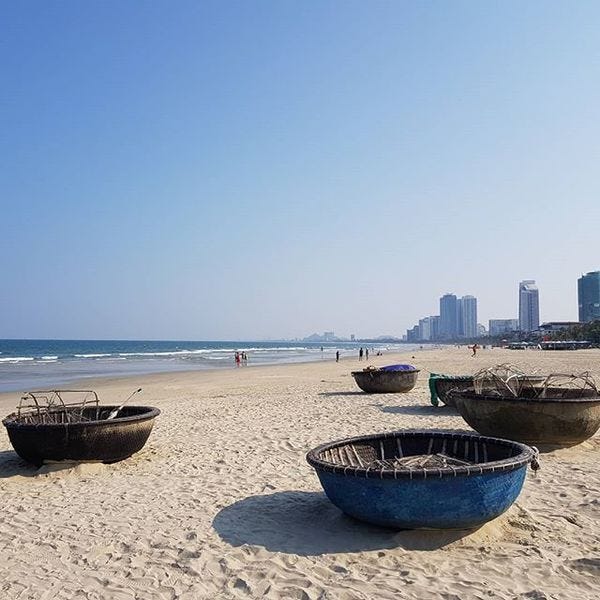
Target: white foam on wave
pixel 171 353
pixel 49 358
pixel 16 359
pixel 90 355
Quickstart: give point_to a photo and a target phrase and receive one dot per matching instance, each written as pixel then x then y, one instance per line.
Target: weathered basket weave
pixel 366 478
pixel 98 439
pixel 440 385
pixel 561 417
pixel 380 381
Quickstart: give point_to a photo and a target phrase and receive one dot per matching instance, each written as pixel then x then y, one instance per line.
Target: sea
pixel 27 365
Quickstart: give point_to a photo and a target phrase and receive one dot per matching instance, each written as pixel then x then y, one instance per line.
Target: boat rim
pixel 379 370
pixel 472 395
pixel 150 412
pixel 525 456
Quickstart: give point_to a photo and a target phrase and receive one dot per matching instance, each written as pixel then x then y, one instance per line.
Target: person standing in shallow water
pixel 366 354
pixel 337 356
pixel 360 354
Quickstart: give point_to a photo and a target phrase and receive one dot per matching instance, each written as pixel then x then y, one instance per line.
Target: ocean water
pixel 44 364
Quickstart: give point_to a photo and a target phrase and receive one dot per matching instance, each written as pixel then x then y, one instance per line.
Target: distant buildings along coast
pixel 529 306
pixel 588 297
pixel 457 320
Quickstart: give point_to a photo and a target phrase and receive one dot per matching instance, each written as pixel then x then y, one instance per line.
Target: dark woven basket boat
pixel 422 479
pixel 94 439
pixel 440 385
pixel 381 381
pixel 562 417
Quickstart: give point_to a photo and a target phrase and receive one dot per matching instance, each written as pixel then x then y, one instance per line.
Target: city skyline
pixel 453 311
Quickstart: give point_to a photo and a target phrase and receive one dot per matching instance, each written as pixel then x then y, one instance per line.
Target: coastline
pixel 43 364
pixel 221 503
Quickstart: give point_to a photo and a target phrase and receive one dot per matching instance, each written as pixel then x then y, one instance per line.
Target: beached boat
pixel 440 385
pixel 386 380
pixel 422 479
pixel 541 416
pixel 78 432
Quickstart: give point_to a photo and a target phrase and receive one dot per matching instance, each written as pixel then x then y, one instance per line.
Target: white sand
pixel 221 503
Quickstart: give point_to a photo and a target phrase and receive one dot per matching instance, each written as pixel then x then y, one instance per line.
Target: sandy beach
pixel 221 503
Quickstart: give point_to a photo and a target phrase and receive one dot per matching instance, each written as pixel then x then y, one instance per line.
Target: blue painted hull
pixel 436 503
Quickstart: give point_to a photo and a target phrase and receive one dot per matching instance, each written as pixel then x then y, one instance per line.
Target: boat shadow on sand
pixel 344 393
pixel 11 465
pixel 308 524
pixel 424 410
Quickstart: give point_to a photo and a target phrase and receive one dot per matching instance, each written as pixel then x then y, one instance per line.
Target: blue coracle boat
pixel 423 479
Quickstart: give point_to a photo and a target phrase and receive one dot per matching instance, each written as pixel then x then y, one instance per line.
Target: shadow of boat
pixel 308 524
pixel 419 410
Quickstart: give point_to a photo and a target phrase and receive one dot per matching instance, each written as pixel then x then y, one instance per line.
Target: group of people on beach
pixel 241 359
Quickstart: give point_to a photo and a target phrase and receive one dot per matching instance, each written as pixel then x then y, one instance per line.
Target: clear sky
pixel 239 170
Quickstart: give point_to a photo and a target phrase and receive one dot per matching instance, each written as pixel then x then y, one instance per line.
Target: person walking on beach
pixel 360 354
pixel 474 348
pixel 366 354
pixel 337 356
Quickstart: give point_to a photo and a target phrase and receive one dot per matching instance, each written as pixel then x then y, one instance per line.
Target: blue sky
pixel 268 169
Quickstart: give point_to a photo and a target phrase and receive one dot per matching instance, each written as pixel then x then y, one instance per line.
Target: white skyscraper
pixel 469 316
pixel 529 306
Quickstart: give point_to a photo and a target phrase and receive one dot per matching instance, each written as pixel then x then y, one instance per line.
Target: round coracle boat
pixel 386 380
pixel 422 479
pixel 81 434
pixel 547 416
pixel 440 385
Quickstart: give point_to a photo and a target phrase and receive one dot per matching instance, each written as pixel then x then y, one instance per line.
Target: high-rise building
pixel 468 311
pixel 425 329
pixel 588 297
pixel 460 330
pixel 435 327
pixel 412 335
pixel 448 314
pixel 529 306
pixel 502 326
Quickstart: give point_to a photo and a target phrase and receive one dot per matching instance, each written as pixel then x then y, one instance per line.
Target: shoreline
pixel 39 365
pixel 110 379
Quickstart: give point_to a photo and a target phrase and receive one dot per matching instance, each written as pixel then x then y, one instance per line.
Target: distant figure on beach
pixel 474 348
pixel 244 358
pixel 237 359
pixel 360 354
pixel 337 356
pixel 366 354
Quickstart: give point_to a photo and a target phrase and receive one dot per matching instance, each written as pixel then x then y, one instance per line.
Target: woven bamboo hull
pixel 385 382
pixel 436 499
pixel 443 385
pixel 555 422
pixel 101 440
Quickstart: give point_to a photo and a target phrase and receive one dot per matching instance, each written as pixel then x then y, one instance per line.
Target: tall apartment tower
pixel 469 316
pixel 460 329
pixel 448 328
pixel 588 297
pixel 529 306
